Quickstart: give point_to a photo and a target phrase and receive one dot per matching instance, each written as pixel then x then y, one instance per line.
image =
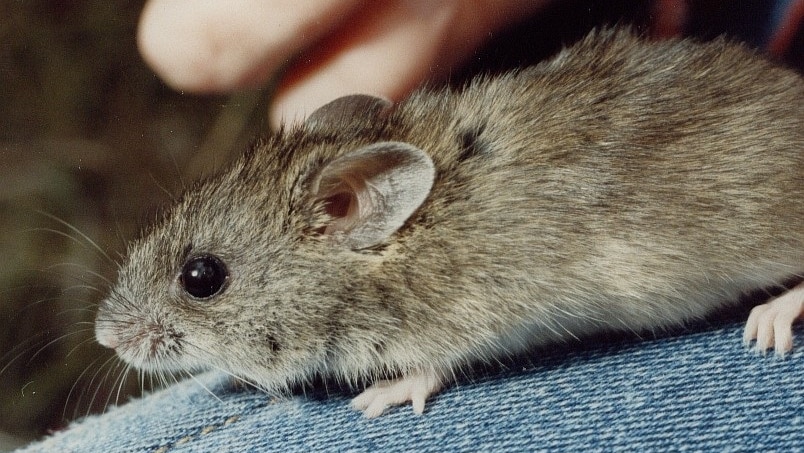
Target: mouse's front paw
pixel 382 394
pixel 771 324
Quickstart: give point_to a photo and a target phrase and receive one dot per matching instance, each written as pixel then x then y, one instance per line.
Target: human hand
pixel 329 48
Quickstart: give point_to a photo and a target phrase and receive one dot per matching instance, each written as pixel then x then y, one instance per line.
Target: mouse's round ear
pixel 347 110
pixel 371 192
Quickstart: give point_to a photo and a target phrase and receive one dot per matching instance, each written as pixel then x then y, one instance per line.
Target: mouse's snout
pixel 104 333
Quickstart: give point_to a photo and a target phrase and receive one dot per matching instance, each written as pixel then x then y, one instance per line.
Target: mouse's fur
pixel 623 184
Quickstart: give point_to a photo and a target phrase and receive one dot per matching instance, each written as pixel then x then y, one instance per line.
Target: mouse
pixel 625 184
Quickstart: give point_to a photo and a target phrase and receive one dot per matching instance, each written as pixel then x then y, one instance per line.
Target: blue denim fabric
pixel 699 391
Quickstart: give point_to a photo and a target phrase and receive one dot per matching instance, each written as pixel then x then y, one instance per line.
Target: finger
pixel 418 401
pixel 362 401
pixel 788 308
pixel 375 409
pixel 389 50
pixel 765 332
pixel 783 341
pixel 752 325
pixel 209 45
pixel 384 51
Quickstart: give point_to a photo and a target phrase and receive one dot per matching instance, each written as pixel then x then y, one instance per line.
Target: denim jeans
pixel 697 391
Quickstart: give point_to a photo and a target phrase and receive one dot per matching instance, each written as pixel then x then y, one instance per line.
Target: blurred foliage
pixel 89 136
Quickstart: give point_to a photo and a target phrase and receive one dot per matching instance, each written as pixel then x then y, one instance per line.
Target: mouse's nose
pixel 105 336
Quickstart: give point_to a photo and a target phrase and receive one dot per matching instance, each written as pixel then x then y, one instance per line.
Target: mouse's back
pixel 621 172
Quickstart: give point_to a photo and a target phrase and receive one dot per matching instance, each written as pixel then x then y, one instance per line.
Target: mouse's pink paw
pixel 382 394
pixel 771 324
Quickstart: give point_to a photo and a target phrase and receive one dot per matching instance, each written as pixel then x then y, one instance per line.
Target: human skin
pixel 327 49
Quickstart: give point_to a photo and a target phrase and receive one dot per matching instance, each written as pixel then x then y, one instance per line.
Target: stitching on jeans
pixel 204 431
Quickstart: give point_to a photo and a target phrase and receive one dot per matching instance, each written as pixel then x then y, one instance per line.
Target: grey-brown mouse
pixel 622 185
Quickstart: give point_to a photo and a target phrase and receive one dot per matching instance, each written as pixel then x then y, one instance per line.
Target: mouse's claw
pixel 382 394
pixel 771 324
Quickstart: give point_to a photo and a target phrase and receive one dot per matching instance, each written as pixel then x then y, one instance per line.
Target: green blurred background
pixel 92 143
pixel 89 135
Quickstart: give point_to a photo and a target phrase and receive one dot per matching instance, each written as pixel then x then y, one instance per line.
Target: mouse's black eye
pixel 204 276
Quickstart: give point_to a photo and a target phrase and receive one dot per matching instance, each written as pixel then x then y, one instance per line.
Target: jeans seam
pixel 203 432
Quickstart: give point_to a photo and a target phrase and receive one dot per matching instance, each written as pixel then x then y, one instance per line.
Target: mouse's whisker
pixel 166 377
pixel 26 347
pixel 238 378
pixel 27 286
pixel 34 304
pixel 52 342
pixel 82 310
pixel 178 172
pixel 84 269
pixel 101 380
pixel 197 381
pixel 94 245
pixel 161 187
pixel 78 380
pixel 127 372
pixel 119 234
pixel 90 339
pixel 206 354
pixel 117 383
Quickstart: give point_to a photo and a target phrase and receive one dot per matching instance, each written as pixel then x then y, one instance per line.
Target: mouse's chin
pixel 156 364
pixel 168 368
